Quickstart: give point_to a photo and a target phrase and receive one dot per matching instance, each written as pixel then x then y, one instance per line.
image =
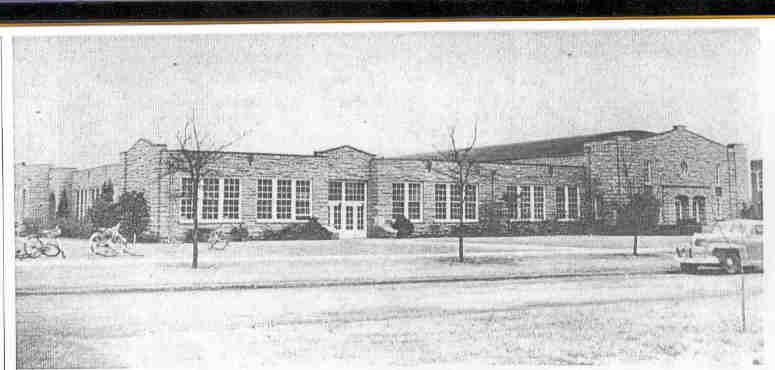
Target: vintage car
pixel 731 245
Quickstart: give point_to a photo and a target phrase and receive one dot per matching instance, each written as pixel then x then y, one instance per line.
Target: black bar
pixel 404 9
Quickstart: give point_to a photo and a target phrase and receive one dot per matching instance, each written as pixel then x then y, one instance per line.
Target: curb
pixel 320 284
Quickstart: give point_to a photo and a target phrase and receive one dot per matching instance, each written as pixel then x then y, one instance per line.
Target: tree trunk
pixel 460 237
pixel 195 232
pixel 635 245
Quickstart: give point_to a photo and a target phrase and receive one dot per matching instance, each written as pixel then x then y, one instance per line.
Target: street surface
pixel 665 319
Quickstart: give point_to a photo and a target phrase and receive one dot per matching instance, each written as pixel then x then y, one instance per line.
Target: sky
pixel 80 100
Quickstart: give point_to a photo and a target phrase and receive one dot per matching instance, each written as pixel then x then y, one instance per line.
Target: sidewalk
pixel 219 271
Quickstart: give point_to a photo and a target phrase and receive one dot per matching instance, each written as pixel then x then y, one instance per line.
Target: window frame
pixel 448 203
pixel 294 217
pixel 567 203
pixel 220 216
pixel 405 199
pixel 530 203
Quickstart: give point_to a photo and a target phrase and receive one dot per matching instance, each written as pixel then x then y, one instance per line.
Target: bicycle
pixel 109 243
pixel 43 243
pixel 218 237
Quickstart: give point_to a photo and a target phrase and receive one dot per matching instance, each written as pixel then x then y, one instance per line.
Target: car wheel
pixel 730 262
pixel 688 268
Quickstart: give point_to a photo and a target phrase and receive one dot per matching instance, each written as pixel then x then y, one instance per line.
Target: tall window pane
pixel 455 208
pixel 335 190
pixel 231 199
pixel 283 199
pixel 470 206
pixel 573 202
pixel 398 200
pixel 440 198
pixel 186 199
pixel 512 202
pixel 559 194
pixel 538 202
pixel 264 201
pixel 414 198
pixel 210 194
pixel 524 202
pixel 302 199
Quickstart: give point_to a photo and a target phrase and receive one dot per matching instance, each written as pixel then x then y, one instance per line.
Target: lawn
pixel 168 266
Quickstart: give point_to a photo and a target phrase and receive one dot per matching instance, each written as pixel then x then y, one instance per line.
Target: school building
pixel 533 186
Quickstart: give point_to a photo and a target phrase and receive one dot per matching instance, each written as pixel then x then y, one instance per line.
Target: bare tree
pixel 195 157
pixel 459 166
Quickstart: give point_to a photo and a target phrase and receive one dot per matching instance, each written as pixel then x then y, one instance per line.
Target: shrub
pixel 148 237
pixel 63 210
pixel 31 226
pixel 103 213
pixel 74 228
pixel 202 236
pixel 403 226
pixel 133 213
pixel 310 230
pixel 239 233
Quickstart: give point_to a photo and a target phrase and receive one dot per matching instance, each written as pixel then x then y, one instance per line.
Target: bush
pixel 147 237
pixel 133 213
pixel 239 233
pixel 403 226
pixel 74 228
pixel 202 236
pixel 310 230
pixel 30 226
pixel 103 214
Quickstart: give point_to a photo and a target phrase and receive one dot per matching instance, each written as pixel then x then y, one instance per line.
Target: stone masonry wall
pixel 683 164
pixel 491 180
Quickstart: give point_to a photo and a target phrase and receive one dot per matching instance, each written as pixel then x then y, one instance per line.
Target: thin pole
pixel 742 299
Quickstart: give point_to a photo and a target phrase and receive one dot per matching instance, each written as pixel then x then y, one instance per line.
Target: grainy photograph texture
pixel 482 197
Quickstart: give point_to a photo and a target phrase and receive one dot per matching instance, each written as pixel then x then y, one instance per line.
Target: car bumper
pixel 691 256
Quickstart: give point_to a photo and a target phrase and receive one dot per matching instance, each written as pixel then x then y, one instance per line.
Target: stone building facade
pixel 534 186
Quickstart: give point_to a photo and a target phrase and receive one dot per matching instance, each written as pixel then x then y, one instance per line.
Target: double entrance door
pixel 347 208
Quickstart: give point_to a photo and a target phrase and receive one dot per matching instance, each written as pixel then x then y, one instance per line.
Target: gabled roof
pixel 559 147
pixel 317 152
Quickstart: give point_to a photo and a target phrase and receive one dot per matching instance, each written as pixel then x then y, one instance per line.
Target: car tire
pixel 688 268
pixel 730 262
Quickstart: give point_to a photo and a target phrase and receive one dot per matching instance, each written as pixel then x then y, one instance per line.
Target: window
pixel 524 203
pixel 681 208
pixel 454 196
pixel 512 201
pixel 470 203
pixel 538 202
pixel 560 203
pixel 335 190
pixel 440 191
pixel 649 171
pixel 186 199
pixel 218 199
pixel 448 203
pixel 529 202
pixel 398 200
pixel 354 191
pixel 264 199
pixel 718 175
pixel 302 199
pixel 573 202
pixel 757 180
pixel 413 201
pixel 407 200
pixel 698 209
pixel 284 200
pixel 231 199
pixel 567 202
pixel 684 168
pixel 210 190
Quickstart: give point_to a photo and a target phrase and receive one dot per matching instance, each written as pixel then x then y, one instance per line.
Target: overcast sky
pixel 80 100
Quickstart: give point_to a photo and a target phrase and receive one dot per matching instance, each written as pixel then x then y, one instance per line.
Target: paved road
pixel 393 324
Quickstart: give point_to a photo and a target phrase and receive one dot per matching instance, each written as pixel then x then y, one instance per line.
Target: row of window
pixel 285 199
pixel 276 199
